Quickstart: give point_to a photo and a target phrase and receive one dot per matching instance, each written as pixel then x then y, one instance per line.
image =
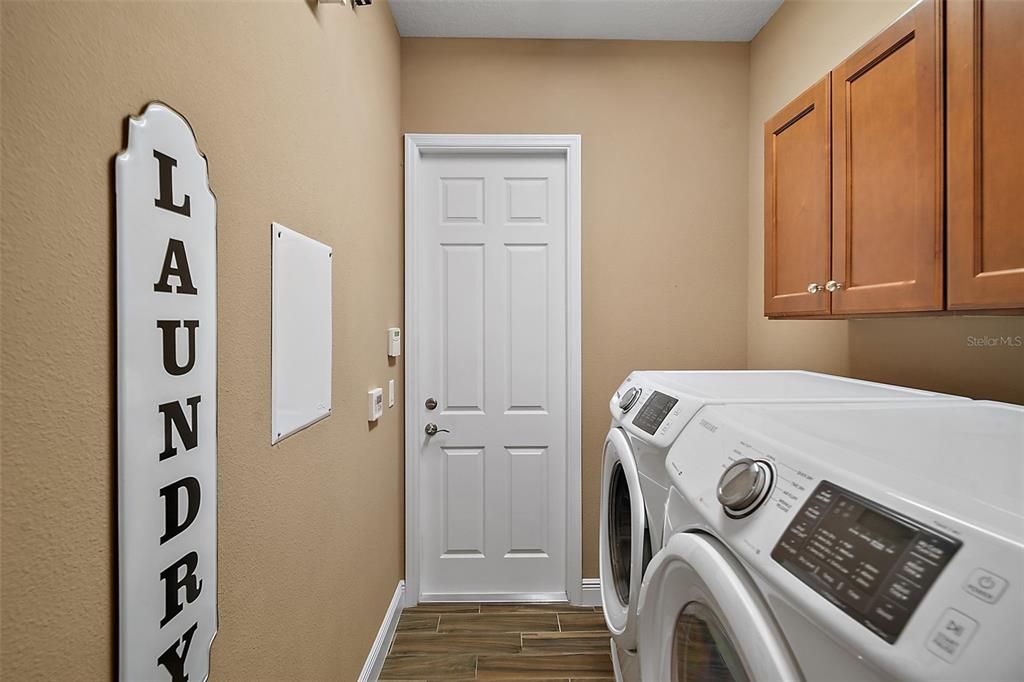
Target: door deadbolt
pixel 430 403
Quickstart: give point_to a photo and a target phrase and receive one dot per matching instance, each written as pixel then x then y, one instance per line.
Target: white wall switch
pixel 391 392
pixel 376 404
pixel 394 342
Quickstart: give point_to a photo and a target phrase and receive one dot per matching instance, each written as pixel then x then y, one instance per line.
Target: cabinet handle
pixel 814 288
pixel 833 286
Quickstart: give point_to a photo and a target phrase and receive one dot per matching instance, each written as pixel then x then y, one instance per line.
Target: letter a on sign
pixel 166 401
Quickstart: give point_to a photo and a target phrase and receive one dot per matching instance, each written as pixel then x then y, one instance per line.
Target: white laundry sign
pixel 166 401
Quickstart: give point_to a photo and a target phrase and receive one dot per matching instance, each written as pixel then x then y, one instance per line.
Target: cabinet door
pixel 887 189
pixel 797 200
pixel 985 119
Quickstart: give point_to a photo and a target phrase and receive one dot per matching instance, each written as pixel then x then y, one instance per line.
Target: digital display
pixel 873 563
pixel 885 527
pixel 654 411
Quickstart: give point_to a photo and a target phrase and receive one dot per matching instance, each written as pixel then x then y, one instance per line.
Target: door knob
pixel 814 288
pixel 431 429
pixel 833 286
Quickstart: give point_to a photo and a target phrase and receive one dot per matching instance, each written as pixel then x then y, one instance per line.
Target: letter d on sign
pixel 166 402
pixel 172 526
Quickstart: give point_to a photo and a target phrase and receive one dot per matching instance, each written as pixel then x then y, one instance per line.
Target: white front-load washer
pixel 649 410
pixel 870 542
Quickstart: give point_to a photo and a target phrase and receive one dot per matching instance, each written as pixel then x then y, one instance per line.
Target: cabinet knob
pixel 814 288
pixel 833 286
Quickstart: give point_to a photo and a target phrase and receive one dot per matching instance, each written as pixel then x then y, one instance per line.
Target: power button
pixel 985 585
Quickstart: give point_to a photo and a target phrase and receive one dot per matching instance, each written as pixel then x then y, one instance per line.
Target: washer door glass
pixel 703 652
pixel 620 534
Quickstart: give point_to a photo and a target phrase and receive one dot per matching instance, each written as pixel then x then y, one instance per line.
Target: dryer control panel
pixel 874 564
pixel 654 412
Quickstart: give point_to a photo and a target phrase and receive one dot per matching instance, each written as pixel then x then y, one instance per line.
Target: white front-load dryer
pixel 625 546
pixel 649 411
pixel 703 619
pixel 887 546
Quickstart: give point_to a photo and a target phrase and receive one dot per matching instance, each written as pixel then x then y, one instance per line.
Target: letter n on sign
pixel 166 401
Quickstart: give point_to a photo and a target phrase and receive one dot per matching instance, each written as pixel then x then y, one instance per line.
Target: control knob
pixel 744 485
pixel 629 398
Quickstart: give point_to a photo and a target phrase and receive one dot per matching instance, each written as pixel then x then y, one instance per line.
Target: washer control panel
pixel 654 411
pixel 871 562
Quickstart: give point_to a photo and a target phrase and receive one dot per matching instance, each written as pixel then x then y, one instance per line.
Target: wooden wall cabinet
pixel 985 165
pixel 887 170
pixel 892 111
pixel 796 205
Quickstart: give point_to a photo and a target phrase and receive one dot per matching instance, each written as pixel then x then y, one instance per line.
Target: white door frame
pixel 416 145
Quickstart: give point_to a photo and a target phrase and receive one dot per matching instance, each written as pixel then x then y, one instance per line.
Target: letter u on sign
pixel 166 401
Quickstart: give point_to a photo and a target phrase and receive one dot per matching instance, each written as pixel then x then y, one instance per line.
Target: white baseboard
pixel 485 597
pixel 381 645
pixel 591 592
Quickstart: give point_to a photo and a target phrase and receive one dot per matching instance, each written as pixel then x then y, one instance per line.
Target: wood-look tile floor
pixel 537 642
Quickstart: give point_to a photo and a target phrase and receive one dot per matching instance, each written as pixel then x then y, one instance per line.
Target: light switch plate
pixel 391 392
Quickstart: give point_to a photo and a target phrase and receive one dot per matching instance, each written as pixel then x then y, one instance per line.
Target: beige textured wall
pixel 297 108
pixel 799 45
pixel 664 200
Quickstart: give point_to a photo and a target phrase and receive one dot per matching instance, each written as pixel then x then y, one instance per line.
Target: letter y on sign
pixel 166 401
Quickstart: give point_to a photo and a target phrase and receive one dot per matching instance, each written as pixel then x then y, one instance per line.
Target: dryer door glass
pixel 620 534
pixel 703 652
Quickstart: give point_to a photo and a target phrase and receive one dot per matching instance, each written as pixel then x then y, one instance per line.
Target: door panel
pixel 462 201
pixel 463 497
pixel 887 240
pixel 797 205
pixel 462 276
pixel 527 376
pixel 985 101
pixel 527 504
pixel 491 278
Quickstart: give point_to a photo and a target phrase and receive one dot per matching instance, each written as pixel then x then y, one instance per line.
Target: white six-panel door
pixel 491 324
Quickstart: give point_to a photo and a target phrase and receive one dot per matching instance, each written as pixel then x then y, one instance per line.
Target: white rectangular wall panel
pixel 301 332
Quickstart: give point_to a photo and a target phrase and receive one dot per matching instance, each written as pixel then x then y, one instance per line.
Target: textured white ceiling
pixel 737 20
